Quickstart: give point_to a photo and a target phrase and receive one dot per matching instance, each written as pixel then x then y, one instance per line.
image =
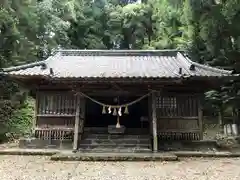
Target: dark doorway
pixel 95 118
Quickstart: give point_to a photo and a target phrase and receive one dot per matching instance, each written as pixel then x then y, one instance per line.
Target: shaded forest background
pixel 30 30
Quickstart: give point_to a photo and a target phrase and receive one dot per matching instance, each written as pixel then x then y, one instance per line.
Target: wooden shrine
pixel 173 84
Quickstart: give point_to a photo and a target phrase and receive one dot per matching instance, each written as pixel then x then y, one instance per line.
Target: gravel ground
pixel 35 167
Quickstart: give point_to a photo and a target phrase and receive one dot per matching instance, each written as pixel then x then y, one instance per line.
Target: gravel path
pixel 40 168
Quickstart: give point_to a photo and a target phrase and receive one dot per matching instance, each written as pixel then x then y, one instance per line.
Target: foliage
pixel 215 40
pixel 31 29
pixel 16 112
pixel 20 122
pixel 108 25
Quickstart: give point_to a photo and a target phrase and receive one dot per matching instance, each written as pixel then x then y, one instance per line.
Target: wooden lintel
pixel 116 93
pixel 115 80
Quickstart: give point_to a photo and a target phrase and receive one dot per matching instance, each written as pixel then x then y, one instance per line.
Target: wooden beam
pixel 115 93
pixel 115 80
pixel 76 127
pixel 154 123
pixel 200 117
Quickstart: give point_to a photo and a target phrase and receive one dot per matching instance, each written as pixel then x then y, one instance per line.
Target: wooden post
pixel 150 113
pixel 200 117
pixel 76 127
pixel 154 123
pixel 35 113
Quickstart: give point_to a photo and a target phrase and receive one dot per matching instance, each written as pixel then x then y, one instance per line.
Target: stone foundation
pixel 33 143
pixel 114 157
pixel 202 145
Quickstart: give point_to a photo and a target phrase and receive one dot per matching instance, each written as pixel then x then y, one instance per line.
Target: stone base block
pixel 202 145
pixel 33 143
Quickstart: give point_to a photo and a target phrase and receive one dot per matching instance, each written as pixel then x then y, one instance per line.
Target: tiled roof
pixel 117 64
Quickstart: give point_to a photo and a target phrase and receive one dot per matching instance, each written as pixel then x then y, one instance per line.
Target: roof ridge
pixel 115 52
pixel 118 50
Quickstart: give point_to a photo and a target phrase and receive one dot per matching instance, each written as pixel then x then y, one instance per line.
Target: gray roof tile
pixel 117 64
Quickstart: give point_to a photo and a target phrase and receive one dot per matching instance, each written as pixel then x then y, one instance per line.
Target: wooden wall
pixel 177 113
pixel 177 116
pixel 56 114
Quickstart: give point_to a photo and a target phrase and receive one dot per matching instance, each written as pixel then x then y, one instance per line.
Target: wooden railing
pixel 54 133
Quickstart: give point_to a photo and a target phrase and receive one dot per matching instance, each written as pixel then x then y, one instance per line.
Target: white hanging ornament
pixel 120 111
pixel 118 123
pixel 109 110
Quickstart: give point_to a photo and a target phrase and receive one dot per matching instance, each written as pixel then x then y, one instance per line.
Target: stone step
pixel 114 145
pixel 96 130
pixel 114 156
pixel 108 136
pixel 104 142
pixel 104 130
pixel 115 150
pixel 116 141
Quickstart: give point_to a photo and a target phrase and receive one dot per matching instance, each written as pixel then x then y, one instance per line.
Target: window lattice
pixel 166 102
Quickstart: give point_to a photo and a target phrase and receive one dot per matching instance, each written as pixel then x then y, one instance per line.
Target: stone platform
pixel 33 143
pixel 67 155
pixel 114 157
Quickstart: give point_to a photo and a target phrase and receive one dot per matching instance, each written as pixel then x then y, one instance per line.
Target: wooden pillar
pixel 200 117
pixel 150 114
pixel 154 123
pixel 35 112
pixel 76 127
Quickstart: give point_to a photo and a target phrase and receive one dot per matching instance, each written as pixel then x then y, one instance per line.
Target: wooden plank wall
pixel 177 116
pixel 56 103
pixel 56 112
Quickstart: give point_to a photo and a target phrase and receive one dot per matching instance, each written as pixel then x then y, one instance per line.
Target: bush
pixel 16 119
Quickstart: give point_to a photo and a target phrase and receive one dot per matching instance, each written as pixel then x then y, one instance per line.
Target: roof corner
pixel 203 66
